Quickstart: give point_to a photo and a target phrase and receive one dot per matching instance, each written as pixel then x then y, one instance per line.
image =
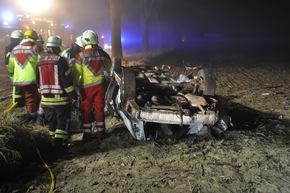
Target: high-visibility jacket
pixel 54 80
pixel 23 61
pixel 90 65
pixel 17 91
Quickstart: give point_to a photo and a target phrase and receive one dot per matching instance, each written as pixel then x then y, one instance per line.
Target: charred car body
pixel 170 99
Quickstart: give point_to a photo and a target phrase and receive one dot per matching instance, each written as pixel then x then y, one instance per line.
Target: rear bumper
pixel 169 116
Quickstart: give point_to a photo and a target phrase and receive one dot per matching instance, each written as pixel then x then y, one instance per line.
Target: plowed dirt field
pixel 253 156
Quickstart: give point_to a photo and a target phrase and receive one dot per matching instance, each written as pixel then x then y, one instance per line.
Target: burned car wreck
pixel 174 100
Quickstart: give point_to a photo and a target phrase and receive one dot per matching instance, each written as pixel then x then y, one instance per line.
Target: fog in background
pixel 178 22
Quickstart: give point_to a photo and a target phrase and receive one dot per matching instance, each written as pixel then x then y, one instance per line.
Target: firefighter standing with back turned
pixel 15 38
pixel 91 64
pixel 56 88
pixel 22 66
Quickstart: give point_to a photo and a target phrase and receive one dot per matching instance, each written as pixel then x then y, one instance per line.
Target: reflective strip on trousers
pixel 60 134
pixel 87 130
pixel 100 126
pixel 87 127
pixel 51 134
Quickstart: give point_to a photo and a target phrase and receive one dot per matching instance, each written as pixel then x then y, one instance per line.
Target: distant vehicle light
pixel 35 6
pixel 7 16
pixel 107 47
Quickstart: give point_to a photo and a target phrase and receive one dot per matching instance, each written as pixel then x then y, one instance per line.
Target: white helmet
pixel 90 37
pixel 79 42
pixel 60 39
pixel 40 39
pixel 17 34
pixel 53 41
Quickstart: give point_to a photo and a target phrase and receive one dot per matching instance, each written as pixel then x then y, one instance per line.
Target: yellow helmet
pixel 89 37
pixel 30 33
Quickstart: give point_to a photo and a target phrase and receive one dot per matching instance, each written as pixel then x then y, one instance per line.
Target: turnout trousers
pixel 92 105
pixel 32 98
pixel 58 120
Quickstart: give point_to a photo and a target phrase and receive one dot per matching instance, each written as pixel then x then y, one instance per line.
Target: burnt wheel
pixel 128 85
pixel 207 82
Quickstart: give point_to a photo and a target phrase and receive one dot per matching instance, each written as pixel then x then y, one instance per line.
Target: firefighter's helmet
pixel 30 33
pixel 90 37
pixel 17 34
pixel 53 41
pixel 79 42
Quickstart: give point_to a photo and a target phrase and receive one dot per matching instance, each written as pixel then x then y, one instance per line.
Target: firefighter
pixel 57 92
pixel 15 38
pixel 90 65
pixel 40 40
pixel 40 120
pixel 70 53
pixel 22 66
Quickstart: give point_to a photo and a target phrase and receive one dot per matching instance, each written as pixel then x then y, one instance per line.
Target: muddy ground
pixel 253 156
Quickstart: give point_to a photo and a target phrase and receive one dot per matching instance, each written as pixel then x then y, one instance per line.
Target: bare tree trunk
pixel 145 35
pixel 115 18
pixel 150 10
pixel 145 26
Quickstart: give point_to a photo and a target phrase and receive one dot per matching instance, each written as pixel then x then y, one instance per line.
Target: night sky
pixel 240 18
pixel 229 18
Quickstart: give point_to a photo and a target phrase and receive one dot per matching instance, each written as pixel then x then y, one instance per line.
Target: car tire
pixel 207 82
pixel 128 85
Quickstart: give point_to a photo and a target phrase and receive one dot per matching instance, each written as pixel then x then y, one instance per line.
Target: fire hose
pixel 52 186
pixel 52 176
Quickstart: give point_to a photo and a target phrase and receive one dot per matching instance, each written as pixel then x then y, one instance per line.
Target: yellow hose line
pixel 11 106
pixel 52 186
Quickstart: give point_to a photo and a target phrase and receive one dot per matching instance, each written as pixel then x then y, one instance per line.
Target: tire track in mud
pixel 225 81
pixel 229 81
pixel 263 89
pixel 240 79
pixel 252 79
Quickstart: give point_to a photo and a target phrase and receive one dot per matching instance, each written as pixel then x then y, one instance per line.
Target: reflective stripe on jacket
pixel 48 74
pixel 66 54
pixel 90 65
pixel 23 61
pixel 54 79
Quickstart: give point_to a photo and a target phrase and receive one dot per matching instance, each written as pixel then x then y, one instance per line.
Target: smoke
pixel 79 15
pixel 84 15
